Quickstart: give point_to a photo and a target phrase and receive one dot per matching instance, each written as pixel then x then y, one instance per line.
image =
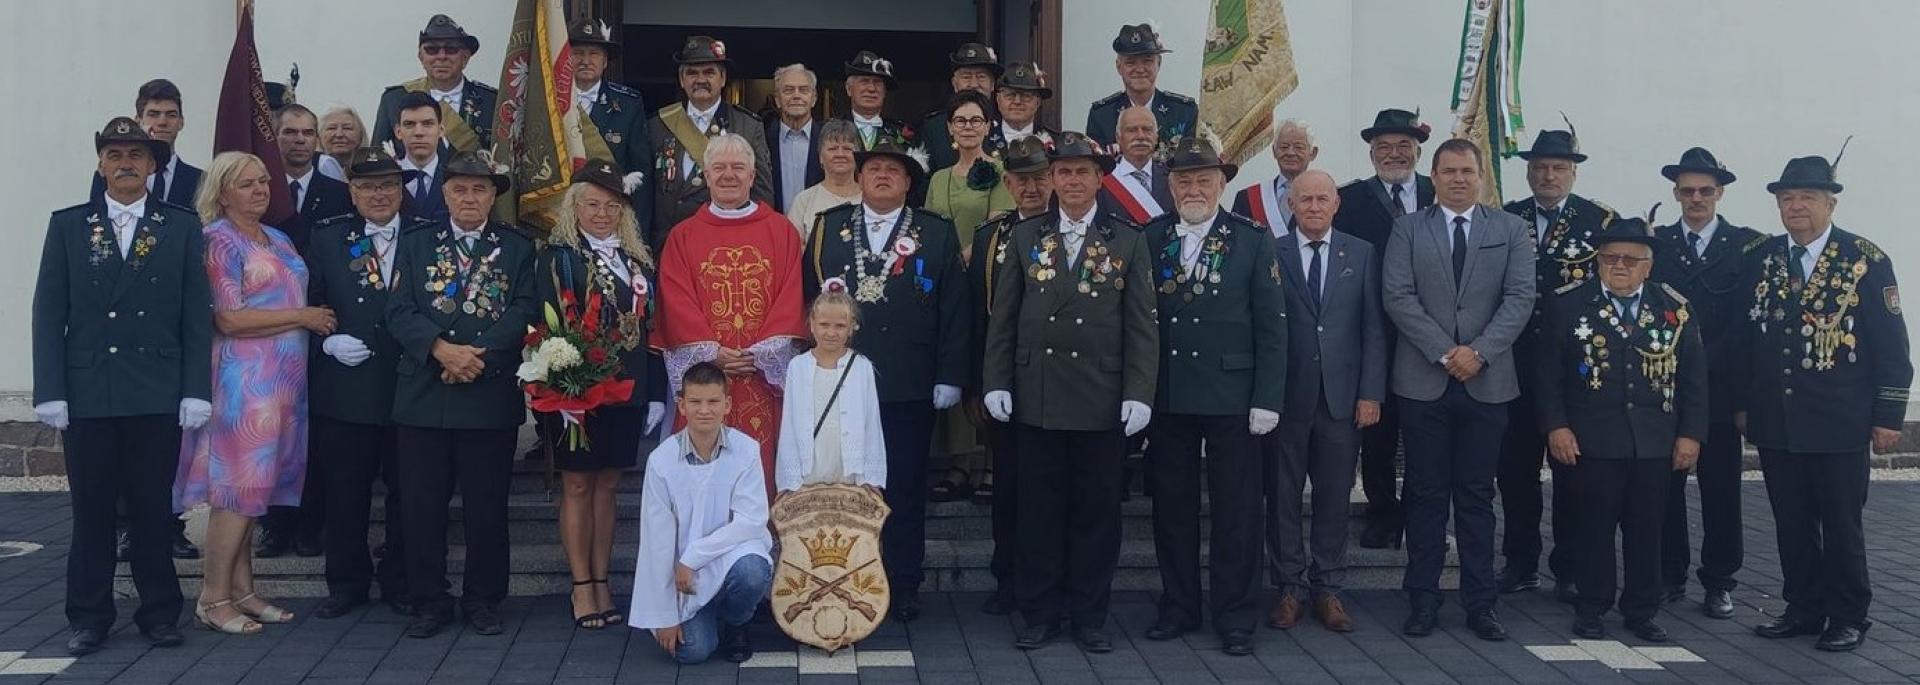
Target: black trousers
pixel 1379 457
pixel 110 460
pixel 308 520
pixel 1069 523
pixel 1006 499
pixel 1320 449
pixel 480 463
pixel 1817 500
pixel 1521 502
pixel 351 456
pixel 903 539
pixel 1628 495
pixel 1453 449
pixel 1721 548
pixel 1234 494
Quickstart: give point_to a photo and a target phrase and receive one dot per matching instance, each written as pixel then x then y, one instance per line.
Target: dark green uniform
pixel 678 192
pixel 621 116
pixel 1177 114
pixel 477 103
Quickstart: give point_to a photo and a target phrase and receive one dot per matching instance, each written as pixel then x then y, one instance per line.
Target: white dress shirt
pixel 1409 193
pixel 451 98
pixel 869 127
pixel 1307 251
pixel 706 514
pixel 1010 134
pixel 1191 237
pixel 1540 224
pixel 125 218
pixel 306 184
pixel 1074 231
pixel 1467 228
pixel 879 227
pixel 1141 192
pixel 796 144
pixel 169 172
pixel 419 187
pixel 1813 250
pixel 1706 235
pixel 587 96
pixel 1632 301
pixel 609 249
pixel 702 118
pixel 384 236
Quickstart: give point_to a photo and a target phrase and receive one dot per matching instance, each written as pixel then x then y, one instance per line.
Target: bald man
pixel 1336 373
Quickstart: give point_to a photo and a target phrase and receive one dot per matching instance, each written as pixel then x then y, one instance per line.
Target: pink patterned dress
pixel 253 452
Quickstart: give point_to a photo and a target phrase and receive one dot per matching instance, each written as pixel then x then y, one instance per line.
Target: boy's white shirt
pixel 863 447
pixel 706 516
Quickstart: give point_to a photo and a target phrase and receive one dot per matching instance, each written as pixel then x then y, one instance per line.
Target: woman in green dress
pixel 970 192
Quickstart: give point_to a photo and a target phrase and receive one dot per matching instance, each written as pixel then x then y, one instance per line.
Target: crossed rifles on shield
pixel 830 587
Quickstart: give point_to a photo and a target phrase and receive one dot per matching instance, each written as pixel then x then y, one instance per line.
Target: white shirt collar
pixel 305 180
pixel 743 212
pixel 458 91
pixel 876 121
pixel 406 162
pixel 173 166
pixel 1538 205
pixel 881 221
pixel 805 129
pixel 1301 236
pixel 1125 169
pixel 1195 230
pixel 1705 232
pixel 589 94
pixel 1635 295
pixel 609 243
pixel 392 224
pixel 1450 214
pixel 460 233
pixel 137 209
pixel 703 115
pixel 1012 134
pixel 1820 243
pixel 1066 220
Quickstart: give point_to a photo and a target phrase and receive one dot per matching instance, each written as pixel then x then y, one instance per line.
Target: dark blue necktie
pixel 1459 248
pixel 1799 254
pixel 1314 271
pixel 1693 243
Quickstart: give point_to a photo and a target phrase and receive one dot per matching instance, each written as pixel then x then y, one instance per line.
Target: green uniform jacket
pixel 988 257
pixel 477 102
pixel 1592 378
pixel 343 274
pixel 1178 115
pixel 916 335
pixel 1566 257
pixel 621 115
pixel 676 194
pixel 1716 289
pixel 117 336
pixel 429 303
pixel 1069 357
pixel 1224 349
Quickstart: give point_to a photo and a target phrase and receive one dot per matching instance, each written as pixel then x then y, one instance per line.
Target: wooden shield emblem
pixel 830 590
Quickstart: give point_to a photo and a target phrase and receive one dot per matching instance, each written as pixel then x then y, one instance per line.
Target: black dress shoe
pixel 309 548
pixel 1589 628
pixel 1646 629
pixel 739 645
pixel 1236 643
pixel 1839 638
pixel 1717 604
pixel 1420 623
pixel 1000 603
pixel 1511 581
pixel 1565 591
pixel 380 551
pixel 1092 640
pixel 123 546
pixel 335 606
pixel 1785 627
pixel 428 624
pixel 484 619
pixel 1167 630
pixel 1674 594
pixel 272 545
pixel 1381 535
pixel 163 636
pixel 906 606
pixel 1486 625
pixel 86 641
pixel 182 547
pixel 1035 637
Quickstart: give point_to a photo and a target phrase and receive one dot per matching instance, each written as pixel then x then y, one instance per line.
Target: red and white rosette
pixel 836 284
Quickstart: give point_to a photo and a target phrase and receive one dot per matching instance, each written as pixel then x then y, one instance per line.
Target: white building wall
pixel 1757 81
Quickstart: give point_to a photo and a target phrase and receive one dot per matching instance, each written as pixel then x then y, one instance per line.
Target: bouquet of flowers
pixel 573 364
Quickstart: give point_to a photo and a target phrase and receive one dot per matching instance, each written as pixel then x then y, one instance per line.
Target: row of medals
pixel 1094 253
pixel 1658 363
pixel 1825 333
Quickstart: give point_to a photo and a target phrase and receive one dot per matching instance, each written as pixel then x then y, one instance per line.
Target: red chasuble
pixel 734 283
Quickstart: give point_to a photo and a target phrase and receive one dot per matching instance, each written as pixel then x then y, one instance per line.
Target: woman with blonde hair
pixel 341 132
pixel 595 248
pixel 252 453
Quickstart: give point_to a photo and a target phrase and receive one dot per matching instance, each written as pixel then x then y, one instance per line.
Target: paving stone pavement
pixel 954 643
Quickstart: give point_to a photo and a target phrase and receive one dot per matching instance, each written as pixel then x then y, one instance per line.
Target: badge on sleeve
pixel 1892 295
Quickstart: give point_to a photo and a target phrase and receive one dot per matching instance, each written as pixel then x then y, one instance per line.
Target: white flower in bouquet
pixel 533 370
pixel 559 353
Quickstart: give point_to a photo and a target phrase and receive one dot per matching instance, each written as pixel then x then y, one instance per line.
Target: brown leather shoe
pixel 1333 614
pixel 1286 612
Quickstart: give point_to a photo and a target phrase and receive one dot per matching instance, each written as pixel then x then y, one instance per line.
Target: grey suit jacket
pixel 1338 350
pixel 1486 312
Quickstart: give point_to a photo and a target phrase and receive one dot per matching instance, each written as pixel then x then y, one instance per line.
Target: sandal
pixel 591 621
pixel 238 625
pixel 266 614
pixel 614 616
pixel 983 493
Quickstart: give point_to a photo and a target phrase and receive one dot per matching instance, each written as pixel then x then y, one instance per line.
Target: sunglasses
pixel 1620 259
pixel 1708 191
pixel 442 48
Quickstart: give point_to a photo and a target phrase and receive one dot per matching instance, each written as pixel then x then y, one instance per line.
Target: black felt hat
pixel 477 163
pixel 1194 152
pixel 1396 121
pixel 1026 156
pixel 592 32
pixel 1138 39
pixel 1698 160
pixel 1554 145
pixel 978 55
pixel 1807 173
pixel 607 175
pixel 443 27
pixel 125 130
pixel 371 161
pixel 1624 230
pixel 703 50
pixel 1026 76
pixel 1076 145
pixel 866 63
pixel 892 147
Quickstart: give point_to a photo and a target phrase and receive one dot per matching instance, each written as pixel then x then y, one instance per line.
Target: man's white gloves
pixel 999 405
pixel 945 396
pixel 54 414
pixel 194 413
pixel 1261 421
pixel 346 348
pixel 1135 415
pixel 655 412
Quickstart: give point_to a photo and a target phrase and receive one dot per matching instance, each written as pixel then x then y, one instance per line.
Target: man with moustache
pixel 157 108
pixel 678 134
pixel 975 67
pixel 418 128
pixel 869 78
pixel 466 106
pixel 1702 255
pixel 1032 191
pixel 1266 202
pixel 1017 98
pixel 1137 50
pixel 617 111
pixel 905 272
pixel 1137 187
pixel 1221 387
pixel 1561 226
pixel 1368 208
pixel 793 139
pixel 351 262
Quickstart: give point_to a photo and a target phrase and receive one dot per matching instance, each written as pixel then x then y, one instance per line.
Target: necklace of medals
pixel 871 287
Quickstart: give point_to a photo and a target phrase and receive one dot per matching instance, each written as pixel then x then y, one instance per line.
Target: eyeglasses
pixel 375 186
pixel 1402 147
pixel 1704 191
pixel 969 122
pixel 1620 259
pixel 442 48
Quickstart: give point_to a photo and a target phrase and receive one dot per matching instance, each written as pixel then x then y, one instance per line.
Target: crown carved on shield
pixel 825 550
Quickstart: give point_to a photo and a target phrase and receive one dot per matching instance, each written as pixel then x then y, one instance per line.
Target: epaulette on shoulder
pixel 928 212
pixel 1754 244
pixel 72 210
pixel 517 231
pixel 1610 214
pixel 621 88
pixel 1570 287
pixel 1244 220
pixel 1870 250
pixel 750 116
pixel 482 86
pixel 330 221
pixel 1678 298
pixel 1110 99
pixel 1176 97
pixel 183 209
pixel 1123 221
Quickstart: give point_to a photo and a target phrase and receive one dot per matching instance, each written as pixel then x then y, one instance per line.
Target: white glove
pixel 945 396
pixel 1261 421
pixel 347 349
pixel 655 412
pixel 1000 405
pixel 1135 415
pixel 54 414
pixel 194 413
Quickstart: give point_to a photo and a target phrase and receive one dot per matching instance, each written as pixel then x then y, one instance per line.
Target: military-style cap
pixel 976 55
pixel 703 50
pixel 1624 230
pixel 443 27
pixel 1554 145
pixel 890 147
pixel 592 32
pixel 605 174
pixel 1026 76
pixel 477 163
pixel 1138 39
pixel 125 130
pixel 368 162
pixel 1807 173
pixel 1076 145
pixel 865 63
pixel 1026 156
pixel 1698 160
pixel 1396 121
pixel 279 95
pixel 1193 153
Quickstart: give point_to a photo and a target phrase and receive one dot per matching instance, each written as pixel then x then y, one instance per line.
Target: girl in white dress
pixel 830 417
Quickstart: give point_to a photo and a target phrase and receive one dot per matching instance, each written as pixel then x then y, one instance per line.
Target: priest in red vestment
pixel 730 294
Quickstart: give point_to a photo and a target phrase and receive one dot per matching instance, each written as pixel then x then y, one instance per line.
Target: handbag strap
pixel 822 421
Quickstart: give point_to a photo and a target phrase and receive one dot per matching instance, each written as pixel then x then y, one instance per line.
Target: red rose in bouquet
pixel 573 364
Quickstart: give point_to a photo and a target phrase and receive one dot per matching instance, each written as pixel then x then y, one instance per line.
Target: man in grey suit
pixel 1458 284
pixel 1337 362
